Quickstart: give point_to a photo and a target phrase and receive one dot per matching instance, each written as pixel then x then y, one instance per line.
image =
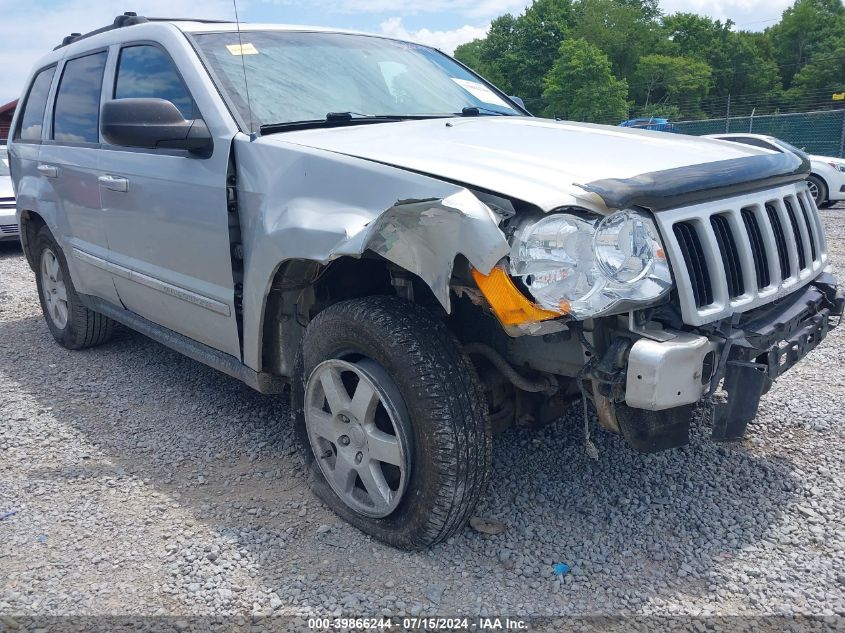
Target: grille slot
pixel 796 233
pixel 8 228
pixel 809 223
pixel 758 250
pixel 730 255
pixel 694 258
pixel 780 239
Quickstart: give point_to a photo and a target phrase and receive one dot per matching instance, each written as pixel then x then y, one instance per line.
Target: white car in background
pixel 8 222
pixel 827 180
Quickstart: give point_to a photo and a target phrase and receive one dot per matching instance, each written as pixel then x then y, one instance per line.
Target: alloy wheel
pixel 54 289
pixel 358 428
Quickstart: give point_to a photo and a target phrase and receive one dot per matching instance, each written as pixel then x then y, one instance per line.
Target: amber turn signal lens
pixel 508 303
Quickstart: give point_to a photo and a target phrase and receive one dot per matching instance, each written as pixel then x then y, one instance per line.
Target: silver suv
pixel 420 259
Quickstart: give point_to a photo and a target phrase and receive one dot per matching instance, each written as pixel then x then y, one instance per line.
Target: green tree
pixel 739 65
pixel 471 55
pixel 538 34
pixel 824 74
pixel 580 85
pixel 518 51
pixel 624 30
pixel 660 110
pixel 672 80
pixel 807 28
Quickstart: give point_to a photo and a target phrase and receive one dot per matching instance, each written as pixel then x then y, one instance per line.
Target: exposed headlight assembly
pixel 588 267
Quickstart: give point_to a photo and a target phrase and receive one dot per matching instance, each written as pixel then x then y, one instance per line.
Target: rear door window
pixel 756 142
pixel 146 71
pixel 36 103
pixel 76 115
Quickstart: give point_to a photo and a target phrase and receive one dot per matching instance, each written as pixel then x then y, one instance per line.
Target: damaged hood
pixel 539 161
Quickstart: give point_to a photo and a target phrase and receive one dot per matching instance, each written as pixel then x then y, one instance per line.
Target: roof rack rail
pixel 130 18
pixel 200 20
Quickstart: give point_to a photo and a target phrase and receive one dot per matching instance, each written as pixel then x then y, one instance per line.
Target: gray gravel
pixel 145 483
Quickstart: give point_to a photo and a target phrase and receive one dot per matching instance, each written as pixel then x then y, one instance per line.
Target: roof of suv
pixel 193 25
pixel 124 28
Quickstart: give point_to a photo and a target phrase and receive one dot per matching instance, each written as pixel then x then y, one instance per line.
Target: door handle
pixel 50 171
pixel 115 183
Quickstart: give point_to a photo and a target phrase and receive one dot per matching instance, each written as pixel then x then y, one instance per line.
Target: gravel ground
pixel 145 483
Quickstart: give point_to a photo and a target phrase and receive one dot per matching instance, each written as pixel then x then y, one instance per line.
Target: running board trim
pixel 229 365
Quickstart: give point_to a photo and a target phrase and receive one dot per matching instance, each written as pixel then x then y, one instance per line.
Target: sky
pixel 31 28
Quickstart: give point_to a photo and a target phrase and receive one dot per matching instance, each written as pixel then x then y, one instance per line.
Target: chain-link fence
pixel 821 132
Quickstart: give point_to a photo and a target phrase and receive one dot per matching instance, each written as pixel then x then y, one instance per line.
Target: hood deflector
pixel 680 186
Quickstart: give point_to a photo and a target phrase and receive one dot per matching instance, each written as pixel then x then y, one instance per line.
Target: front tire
pixel 392 420
pixel 72 324
pixel 818 189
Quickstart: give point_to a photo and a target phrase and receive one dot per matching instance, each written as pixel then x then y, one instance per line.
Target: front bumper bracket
pixel 745 383
pixel 771 346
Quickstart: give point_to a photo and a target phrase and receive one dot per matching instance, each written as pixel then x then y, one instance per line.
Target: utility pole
pixel 728 116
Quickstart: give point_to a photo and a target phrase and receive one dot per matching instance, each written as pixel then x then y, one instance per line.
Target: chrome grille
pixel 736 254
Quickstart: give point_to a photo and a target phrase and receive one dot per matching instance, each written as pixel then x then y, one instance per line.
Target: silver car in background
pixel 8 221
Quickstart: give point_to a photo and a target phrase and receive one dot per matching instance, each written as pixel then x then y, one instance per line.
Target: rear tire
pixel 441 422
pixel 72 324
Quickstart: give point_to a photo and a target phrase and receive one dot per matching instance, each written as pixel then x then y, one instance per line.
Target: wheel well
pixel 301 289
pixel 31 223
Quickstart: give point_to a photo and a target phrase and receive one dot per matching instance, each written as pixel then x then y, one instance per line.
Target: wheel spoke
pixel 334 390
pixel 364 402
pixel 384 447
pixel 53 266
pixel 322 424
pixel 61 292
pixel 343 475
pixel 373 480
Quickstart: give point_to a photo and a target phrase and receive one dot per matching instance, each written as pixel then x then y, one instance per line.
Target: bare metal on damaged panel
pixel 666 374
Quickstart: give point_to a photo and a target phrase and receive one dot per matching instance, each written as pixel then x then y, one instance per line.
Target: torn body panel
pixel 299 203
pixel 425 236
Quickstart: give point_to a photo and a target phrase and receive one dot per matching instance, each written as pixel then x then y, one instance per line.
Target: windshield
pixel 300 76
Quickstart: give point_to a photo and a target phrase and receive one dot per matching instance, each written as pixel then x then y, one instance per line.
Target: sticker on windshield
pixel 242 49
pixel 480 91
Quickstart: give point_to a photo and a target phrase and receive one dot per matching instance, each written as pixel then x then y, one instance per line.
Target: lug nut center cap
pixel 356 434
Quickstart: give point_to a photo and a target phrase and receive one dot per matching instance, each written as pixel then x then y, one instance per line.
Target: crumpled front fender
pixel 298 203
pixel 425 236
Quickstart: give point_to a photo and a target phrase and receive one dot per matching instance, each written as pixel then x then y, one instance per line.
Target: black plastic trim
pixel 671 188
pixel 226 363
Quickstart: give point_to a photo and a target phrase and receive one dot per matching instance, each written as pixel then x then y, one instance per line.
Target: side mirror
pixel 153 124
pixel 519 102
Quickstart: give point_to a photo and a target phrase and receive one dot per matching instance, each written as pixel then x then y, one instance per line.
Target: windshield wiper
pixel 481 111
pixel 341 119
